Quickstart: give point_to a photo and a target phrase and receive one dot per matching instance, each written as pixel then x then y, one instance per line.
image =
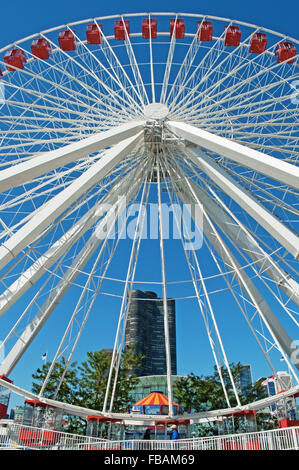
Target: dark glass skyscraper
pixel 145 329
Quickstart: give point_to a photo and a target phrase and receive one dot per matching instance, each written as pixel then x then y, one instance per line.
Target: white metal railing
pixel 25 437
pixel 278 439
pixel 18 436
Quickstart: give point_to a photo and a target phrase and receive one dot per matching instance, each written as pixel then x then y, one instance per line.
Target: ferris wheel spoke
pixel 270 166
pixel 203 96
pixel 230 225
pixel 184 70
pixel 240 195
pixel 117 68
pixel 50 183
pixel 112 96
pixel 79 141
pixel 210 312
pixel 153 90
pixel 230 92
pixel 70 93
pixel 77 308
pixel 129 99
pixel 168 63
pixel 49 161
pixel 278 333
pixel 164 288
pixel 272 148
pixel 100 235
pixel 244 100
pixel 31 275
pixel 135 68
pixel 60 202
pixel 129 281
pixel 211 56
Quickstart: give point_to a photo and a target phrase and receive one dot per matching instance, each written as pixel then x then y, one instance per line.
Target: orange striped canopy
pixel 154 398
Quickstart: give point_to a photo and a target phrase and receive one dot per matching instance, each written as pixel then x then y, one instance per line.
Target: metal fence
pixel 18 436
pixel 26 437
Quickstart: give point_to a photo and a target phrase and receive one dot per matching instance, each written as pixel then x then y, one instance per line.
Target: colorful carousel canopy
pixel 154 398
pixel 154 403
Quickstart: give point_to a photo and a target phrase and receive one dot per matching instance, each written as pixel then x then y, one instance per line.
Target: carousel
pixel 156 404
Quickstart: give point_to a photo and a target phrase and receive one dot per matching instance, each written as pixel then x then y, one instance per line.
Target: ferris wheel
pixel 120 112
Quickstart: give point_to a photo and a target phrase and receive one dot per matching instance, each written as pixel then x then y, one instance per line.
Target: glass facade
pixel 149 383
pixel 145 330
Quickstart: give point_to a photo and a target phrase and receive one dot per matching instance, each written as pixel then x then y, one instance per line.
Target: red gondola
pixel 16 58
pixel 258 43
pixel 205 30
pixel 41 48
pixel 93 33
pixel 232 36
pixel 149 28
pixel 179 25
pixel 120 28
pixel 285 50
pixel 66 40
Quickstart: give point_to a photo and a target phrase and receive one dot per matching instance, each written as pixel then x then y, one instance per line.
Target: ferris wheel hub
pixel 156 111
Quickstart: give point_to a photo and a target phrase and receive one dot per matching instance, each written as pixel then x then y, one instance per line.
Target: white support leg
pixel 242 197
pixel 237 232
pixel 277 331
pixel 32 329
pixel 272 167
pixel 34 272
pixel 45 215
pixel 48 161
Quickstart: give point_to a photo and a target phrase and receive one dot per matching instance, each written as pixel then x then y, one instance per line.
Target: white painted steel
pixel 47 214
pixel 240 195
pixel 48 161
pixel 98 237
pixel 272 167
pixel 38 439
pixel 234 104
pixel 196 417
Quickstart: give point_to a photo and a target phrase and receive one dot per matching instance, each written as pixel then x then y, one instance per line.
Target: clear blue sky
pixel 21 18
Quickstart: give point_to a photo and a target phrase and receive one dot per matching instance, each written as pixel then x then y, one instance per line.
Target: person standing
pixel 175 434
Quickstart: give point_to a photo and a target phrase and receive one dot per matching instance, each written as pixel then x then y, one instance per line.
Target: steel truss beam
pixel 32 274
pixel 273 168
pixel 84 412
pixel 45 215
pixel 32 329
pixel 48 161
pixel 239 234
pixel 245 200
pixel 277 331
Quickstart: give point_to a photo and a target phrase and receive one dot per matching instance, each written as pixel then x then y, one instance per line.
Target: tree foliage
pixel 85 385
pixel 205 393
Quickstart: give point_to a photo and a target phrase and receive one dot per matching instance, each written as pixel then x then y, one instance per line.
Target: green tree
pixel 94 377
pixel 68 391
pixel 205 393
